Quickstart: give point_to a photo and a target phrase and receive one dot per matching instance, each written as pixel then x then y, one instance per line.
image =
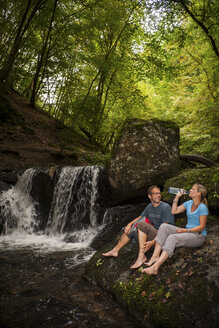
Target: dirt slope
pixel 33 138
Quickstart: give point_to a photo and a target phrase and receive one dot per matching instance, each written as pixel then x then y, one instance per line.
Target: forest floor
pixel 33 138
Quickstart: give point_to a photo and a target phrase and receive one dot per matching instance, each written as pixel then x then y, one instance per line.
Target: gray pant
pixel 169 239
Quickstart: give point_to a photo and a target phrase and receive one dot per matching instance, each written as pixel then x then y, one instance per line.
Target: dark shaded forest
pixel 93 64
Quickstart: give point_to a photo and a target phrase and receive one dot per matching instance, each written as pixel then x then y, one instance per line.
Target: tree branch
pixel 201 24
pixel 198 159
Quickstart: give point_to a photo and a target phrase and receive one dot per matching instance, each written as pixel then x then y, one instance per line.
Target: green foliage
pixel 207 177
pixel 99 262
pixel 108 61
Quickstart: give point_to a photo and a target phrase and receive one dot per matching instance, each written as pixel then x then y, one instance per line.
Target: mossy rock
pixel 208 177
pixel 183 294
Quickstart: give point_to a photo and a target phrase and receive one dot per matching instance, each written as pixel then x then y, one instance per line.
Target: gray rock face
pixel 147 153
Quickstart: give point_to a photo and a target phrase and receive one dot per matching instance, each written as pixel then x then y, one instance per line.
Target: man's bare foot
pixel 111 253
pixel 152 270
pixel 152 261
pixel 138 263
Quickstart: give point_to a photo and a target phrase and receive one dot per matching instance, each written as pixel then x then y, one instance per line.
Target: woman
pixel 169 237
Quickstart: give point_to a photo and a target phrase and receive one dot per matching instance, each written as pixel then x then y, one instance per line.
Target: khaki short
pixel 148 229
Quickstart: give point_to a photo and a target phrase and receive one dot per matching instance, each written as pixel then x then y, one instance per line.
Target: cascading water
pixel 17 208
pixel 72 222
pixel 75 200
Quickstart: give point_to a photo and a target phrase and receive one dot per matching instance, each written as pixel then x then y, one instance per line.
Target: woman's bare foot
pixel 152 261
pixel 138 263
pixel 111 253
pixel 152 270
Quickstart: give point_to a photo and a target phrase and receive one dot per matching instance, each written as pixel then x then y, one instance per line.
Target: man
pixel 155 213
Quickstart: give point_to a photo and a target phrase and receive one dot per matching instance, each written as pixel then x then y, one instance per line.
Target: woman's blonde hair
pixel 203 192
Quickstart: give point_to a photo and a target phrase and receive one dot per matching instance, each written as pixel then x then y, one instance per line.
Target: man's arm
pixel 149 244
pixel 130 224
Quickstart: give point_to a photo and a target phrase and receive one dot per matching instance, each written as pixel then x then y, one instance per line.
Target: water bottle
pixel 172 190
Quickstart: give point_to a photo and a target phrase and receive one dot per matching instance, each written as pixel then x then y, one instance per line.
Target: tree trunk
pixel 6 71
pixel 40 61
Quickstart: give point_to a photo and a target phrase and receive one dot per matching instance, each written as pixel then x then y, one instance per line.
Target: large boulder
pixel 185 293
pixel 147 153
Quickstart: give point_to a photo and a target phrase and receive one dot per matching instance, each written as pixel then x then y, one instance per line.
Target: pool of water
pixel 48 290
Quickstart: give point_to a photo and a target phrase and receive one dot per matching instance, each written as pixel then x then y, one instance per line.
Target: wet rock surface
pixel 183 294
pixel 9 177
pixel 47 291
pixel 115 219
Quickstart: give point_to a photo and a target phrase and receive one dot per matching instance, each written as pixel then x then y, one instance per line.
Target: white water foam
pixel 42 243
pixel 17 207
pixel 18 204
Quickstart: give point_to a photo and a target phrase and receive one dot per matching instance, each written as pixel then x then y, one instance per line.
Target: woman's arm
pixel 175 208
pixel 200 227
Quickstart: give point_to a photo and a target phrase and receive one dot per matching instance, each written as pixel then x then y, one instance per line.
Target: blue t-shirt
pixel 193 217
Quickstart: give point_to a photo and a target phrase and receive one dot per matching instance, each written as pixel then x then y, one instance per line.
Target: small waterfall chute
pixel 72 222
pixel 17 208
pixel 74 205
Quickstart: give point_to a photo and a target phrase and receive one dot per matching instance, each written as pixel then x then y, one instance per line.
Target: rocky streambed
pixel 48 290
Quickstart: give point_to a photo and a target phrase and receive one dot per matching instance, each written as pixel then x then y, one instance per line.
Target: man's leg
pixel 146 232
pixel 142 237
pixel 115 251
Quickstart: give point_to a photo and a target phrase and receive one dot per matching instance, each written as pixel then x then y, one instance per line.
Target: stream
pixel 42 258
pixel 48 290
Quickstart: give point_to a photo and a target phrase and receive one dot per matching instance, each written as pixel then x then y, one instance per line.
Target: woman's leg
pixel 175 240
pixel 155 255
pixel 186 239
pixel 163 233
pixel 154 268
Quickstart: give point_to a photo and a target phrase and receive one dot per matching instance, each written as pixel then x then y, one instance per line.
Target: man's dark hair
pixel 151 188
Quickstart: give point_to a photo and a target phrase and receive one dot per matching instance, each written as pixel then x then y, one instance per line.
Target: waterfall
pixel 75 200
pixel 17 208
pixel 72 221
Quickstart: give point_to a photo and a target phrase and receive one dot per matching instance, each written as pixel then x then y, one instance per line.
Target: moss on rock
pixel 208 177
pixel 183 294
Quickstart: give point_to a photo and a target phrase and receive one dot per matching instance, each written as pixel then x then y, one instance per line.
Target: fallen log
pixel 198 159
